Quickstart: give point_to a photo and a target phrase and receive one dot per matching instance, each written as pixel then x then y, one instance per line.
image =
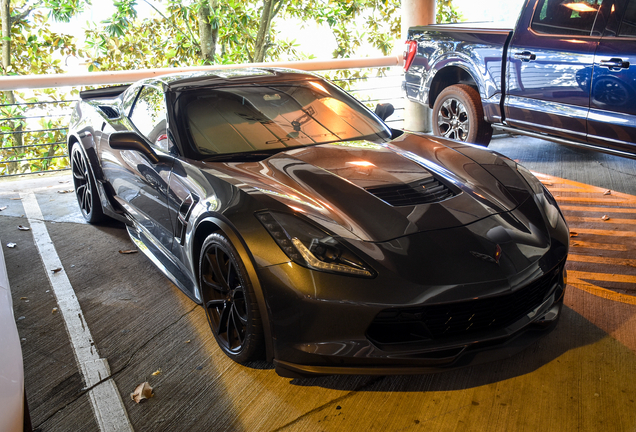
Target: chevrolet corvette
pixel 314 235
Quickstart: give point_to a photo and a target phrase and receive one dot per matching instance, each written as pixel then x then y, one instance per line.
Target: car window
pixel 149 116
pixel 251 118
pixel 565 17
pixel 628 25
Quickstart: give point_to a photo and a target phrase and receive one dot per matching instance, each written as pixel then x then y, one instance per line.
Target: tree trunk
pixel 5 6
pixel 262 38
pixel 208 32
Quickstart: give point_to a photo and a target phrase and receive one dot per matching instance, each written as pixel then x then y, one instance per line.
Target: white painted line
pixel 105 398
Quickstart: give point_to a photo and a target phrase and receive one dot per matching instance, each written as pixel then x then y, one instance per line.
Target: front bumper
pixel 313 336
pixel 471 354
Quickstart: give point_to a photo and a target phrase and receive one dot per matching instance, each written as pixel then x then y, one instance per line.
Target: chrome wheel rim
pixel 82 183
pixel 452 120
pixel 224 298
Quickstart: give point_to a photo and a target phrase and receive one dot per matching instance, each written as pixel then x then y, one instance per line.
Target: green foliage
pixel 447 13
pixel 35 50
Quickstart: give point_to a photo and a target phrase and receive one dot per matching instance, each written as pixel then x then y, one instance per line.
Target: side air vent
pixel 425 191
pixel 110 112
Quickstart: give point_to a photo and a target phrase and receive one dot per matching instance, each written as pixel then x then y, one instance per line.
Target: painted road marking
pixel 600 246
pixel 592 249
pixel 602 260
pixel 106 402
pixel 598 209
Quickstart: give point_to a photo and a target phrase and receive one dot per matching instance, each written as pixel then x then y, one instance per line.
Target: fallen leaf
pixel 157 372
pixel 605 217
pixel 574 244
pixel 188 341
pixel 607 192
pixel 55 270
pixel 23 298
pixel 64 181
pixel 3 208
pixel 65 191
pixel 11 245
pixel 142 392
pixel 23 228
pixel 573 234
pixel 16 199
pixel 54 311
pixel 128 251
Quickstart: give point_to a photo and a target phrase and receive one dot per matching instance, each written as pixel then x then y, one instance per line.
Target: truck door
pixel 549 66
pixel 612 117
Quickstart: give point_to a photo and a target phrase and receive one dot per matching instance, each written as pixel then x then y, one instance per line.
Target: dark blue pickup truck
pixel 566 72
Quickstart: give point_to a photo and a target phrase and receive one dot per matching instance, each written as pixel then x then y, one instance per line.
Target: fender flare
pixel 248 261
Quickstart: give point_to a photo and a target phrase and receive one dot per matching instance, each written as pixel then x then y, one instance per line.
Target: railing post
pixel 417 117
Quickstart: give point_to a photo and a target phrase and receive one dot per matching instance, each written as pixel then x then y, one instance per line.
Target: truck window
pixel 565 17
pixel 628 26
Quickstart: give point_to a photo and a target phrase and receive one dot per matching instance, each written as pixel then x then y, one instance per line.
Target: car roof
pixel 184 81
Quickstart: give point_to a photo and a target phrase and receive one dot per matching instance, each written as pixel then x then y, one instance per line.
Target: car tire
pixel 229 300
pixel 459 115
pixel 85 187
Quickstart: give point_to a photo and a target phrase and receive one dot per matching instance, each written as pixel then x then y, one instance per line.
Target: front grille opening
pixel 425 191
pixel 439 322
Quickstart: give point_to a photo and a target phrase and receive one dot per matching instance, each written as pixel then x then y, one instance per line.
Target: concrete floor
pixel 580 377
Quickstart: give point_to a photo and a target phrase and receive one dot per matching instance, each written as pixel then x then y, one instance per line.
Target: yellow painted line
pixel 611 220
pixel 598 209
pixel 602 260
pixel 591 189
pixel 606 277
pixel 601 292
pixel 590 201
pixel 600 246
pixel 593 200
pixel 614 233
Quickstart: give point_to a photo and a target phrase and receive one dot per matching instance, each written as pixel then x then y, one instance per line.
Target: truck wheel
pixel 459 115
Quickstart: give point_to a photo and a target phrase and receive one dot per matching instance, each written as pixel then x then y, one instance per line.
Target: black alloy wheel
pixel 229 300
pixel 459 115
pixel 85 188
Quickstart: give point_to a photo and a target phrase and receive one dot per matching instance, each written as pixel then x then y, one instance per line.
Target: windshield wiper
pixel 243 156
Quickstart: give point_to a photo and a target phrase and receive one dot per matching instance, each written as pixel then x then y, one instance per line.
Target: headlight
pixel 542 196
pixel 311 247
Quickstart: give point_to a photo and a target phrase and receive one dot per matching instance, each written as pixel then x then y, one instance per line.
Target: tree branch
pixel 191 36
pixel 25 13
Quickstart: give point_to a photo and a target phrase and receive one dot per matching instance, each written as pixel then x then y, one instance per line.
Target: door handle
pixel 614 64
pixel 525 56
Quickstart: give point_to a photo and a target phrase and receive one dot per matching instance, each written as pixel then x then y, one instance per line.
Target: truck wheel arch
pixel 446 77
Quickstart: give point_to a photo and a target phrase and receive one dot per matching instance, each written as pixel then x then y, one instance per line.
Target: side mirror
pixel 384 110
pixel 132 141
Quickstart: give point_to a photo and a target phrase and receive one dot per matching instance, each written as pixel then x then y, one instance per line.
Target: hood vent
pixel 110 112
pixel 425 191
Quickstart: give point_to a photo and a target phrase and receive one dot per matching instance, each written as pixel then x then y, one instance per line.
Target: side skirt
pixel 160 257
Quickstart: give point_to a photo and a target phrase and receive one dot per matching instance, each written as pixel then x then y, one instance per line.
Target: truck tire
pixel 459 115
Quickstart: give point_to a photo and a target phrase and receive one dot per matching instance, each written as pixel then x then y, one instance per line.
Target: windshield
pixel 243 119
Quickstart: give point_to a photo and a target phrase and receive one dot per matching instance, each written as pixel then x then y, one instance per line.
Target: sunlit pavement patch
pixel 602 225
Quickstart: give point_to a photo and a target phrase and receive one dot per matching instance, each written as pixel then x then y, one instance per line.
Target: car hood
pixel 363 190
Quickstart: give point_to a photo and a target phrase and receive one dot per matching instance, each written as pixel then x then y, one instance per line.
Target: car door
pixel 143 190
pixel 549 70
pixel 612 117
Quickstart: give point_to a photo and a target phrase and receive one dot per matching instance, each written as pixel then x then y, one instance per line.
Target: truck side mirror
pixel 132 141
pixel 384 110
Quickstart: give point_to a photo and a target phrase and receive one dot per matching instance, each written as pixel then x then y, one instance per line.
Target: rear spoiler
pixel 107 92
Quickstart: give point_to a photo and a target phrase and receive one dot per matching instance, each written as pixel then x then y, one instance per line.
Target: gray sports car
pixel 313 234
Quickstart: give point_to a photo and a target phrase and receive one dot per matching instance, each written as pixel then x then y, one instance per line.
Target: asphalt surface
pixel 580 377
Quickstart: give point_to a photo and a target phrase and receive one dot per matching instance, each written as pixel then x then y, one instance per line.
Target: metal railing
pixel 33 134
